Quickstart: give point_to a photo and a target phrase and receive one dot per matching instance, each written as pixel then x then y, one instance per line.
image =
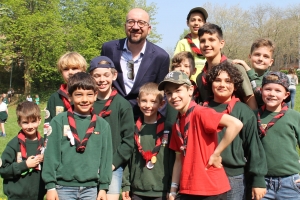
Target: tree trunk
pixel 27 79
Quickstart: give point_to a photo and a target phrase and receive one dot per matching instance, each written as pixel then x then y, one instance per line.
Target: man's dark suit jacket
pixel 153 68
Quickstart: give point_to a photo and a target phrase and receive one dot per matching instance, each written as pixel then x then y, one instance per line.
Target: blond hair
pixel 151 88
pixel 71 59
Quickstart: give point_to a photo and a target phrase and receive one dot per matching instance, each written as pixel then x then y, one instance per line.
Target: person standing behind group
pixel 37 99
pixel 3 116
pixel 195 19
pixel 293 78
pixel 137 60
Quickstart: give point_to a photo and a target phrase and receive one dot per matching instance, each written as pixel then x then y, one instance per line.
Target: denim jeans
pixel 282 188
pixel 76 193
pixel 116 182
pixel 237 185
pixel 293 95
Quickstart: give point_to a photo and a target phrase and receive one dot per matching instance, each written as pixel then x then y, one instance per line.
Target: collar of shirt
pixel 125 48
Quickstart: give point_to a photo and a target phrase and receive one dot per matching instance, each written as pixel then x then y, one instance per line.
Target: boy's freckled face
pixel 185 67
pixel 261 58
pixel 29 126
pixel 104 78
pixel 222 88
pixel 195 22
pixel 83 100
pixel 273 94
pixel 149 104
pixel 211 45
pixel 69 71
pixel 179 96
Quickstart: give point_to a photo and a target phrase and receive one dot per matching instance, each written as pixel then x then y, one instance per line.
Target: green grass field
pixel 12 129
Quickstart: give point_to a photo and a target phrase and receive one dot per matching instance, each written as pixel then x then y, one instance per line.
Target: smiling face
pixel 83 100
pixel 195 22
pixel 179 96
pixel 211 45
pixel 222 88
pixel 273 95
pixel 261 58
pixel 136 34
pixel 29 126
pixel 185 67
pixel 149 105
pixel 104 78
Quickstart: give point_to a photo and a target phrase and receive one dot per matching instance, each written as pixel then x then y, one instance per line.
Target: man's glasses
pixel 140 23
pixel 130 68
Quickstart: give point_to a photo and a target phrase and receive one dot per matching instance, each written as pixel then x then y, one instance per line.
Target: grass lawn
pixel 12 128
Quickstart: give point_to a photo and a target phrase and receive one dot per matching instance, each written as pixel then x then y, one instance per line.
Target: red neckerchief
pixel 62 91
pixel 184 136
pixel 230 104
pixel 204 70
pixel 81 145
pixel 261 129
pixel 22 138
pixel 194 48
pixel 147 155
pixel 196 93
pixel 104 112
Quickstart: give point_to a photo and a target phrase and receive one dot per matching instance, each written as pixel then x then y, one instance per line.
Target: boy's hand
pixel 40 157
pixel 243 63
pixel 258 193
pixel 52 195
pixel 32 162
pixel 113 167
pixel 125 195
pixel 215 160
pixel 101 195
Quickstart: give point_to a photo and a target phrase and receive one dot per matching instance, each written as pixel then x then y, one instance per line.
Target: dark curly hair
pixel 234 74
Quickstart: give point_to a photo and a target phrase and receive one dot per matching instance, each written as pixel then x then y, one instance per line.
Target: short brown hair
pixel 151 88
pixel 71 59
pixel 28 110
pixel 81 80
pixel 262 42
pixel 179 57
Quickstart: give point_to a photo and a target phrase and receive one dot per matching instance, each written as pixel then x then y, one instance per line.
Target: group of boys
pixel 209 146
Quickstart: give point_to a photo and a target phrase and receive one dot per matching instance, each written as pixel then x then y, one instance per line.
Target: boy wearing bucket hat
pixel 196 18
pixel 280 133
pixel 117 111
pixel 197 172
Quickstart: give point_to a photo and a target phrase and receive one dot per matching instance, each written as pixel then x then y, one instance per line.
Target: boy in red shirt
pixel 197 169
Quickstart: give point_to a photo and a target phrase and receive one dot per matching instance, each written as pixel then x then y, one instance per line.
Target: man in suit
pixel 137 60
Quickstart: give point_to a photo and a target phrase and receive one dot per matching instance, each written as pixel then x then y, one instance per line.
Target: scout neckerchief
pixel 184 136
pixel 81 145
pixel 204 70
pixel 230 104
pixel 62 91
pixel 147 155
pixel 21 139
pixel 196 93
pixel 105 112
pixel 262 130
pixel 194 48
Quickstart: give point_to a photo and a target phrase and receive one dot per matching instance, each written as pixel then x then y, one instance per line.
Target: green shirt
pixel 122 126
pixel 55 106
pixel 63 165
pixel 16 186
pixel 246 147
pixel 155 182
pixel 280 143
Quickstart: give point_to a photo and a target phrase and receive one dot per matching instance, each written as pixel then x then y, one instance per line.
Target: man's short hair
pixel 81 80
pixel 262 42
pixel 28 110
pixel 73 59
pixel 179 57
pixel 211 29
pixel 151 88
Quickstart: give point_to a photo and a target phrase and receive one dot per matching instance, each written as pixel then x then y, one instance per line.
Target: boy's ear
pixel 191 90
pixel 96 95
pixel 70 97
pixel 271 62
pixel 222 43
pixel 115 75
pixel 193 71
pixel 162 103
pixel 287 94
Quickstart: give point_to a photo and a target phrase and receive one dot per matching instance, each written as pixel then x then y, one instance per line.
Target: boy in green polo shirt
pixel 117 111
pixel 78 155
